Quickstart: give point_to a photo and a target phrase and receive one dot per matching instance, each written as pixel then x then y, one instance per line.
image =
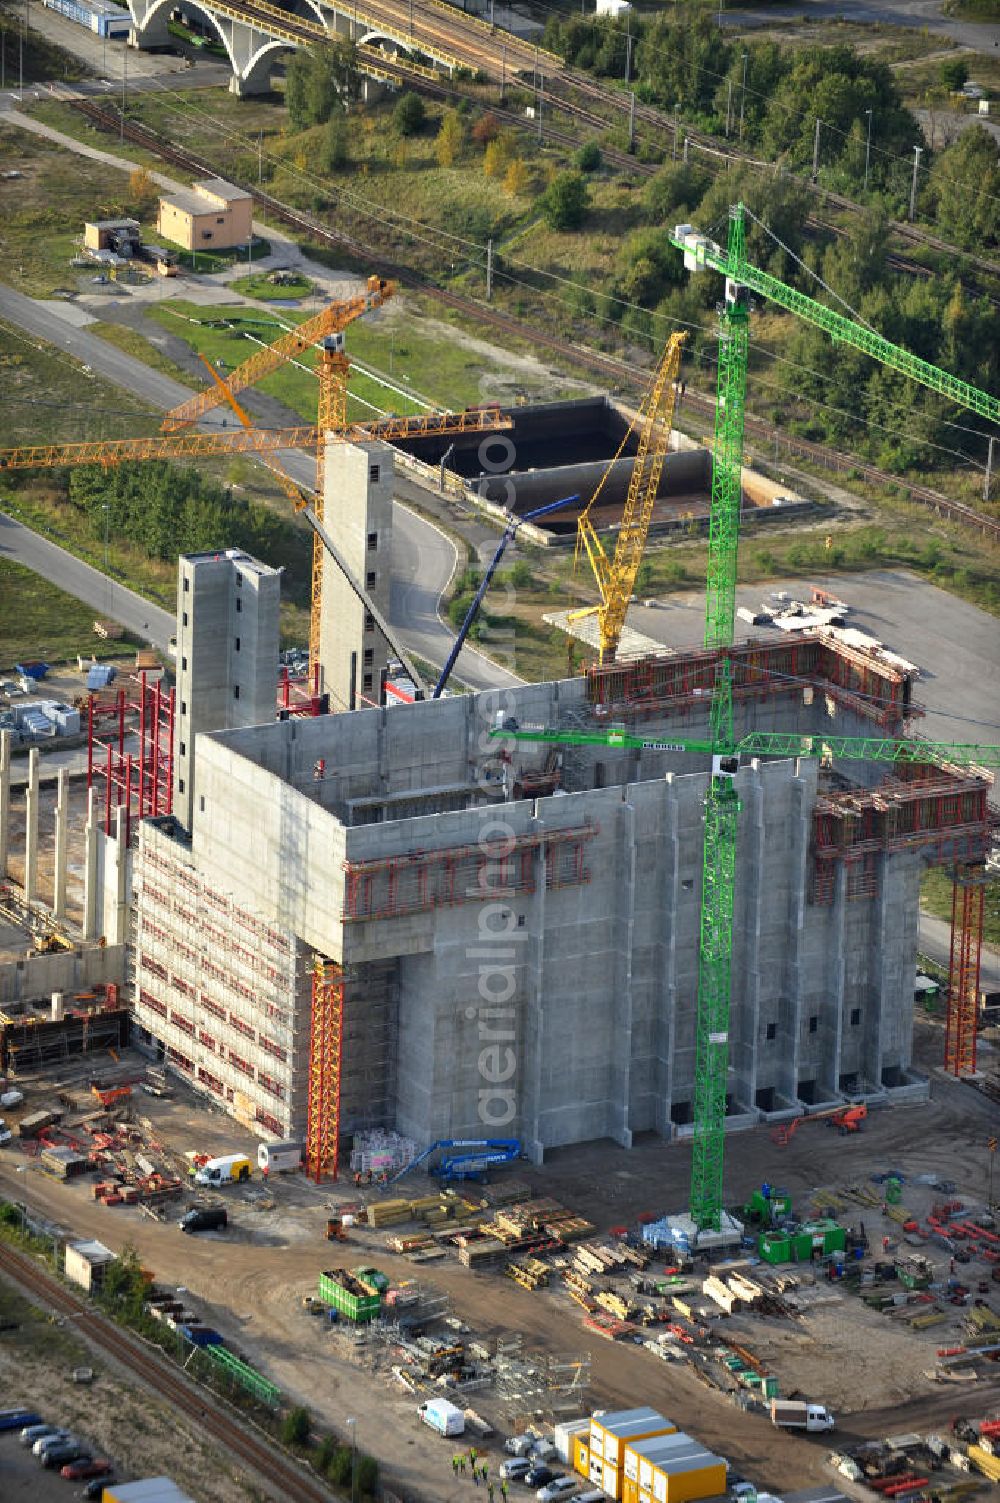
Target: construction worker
pixel 484 1471
pixel 475 1476
pixel 489 1492
pixel 454 1465
pixel 461 1465
pixel 503 1488
pixel 473 1453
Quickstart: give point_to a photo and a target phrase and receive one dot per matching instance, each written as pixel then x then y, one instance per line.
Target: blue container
pixel 201 1336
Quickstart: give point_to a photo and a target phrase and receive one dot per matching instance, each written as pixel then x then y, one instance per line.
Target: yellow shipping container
pixel 581 1455
pixel 642 1455
pixel 610 1433
pixel 685 1486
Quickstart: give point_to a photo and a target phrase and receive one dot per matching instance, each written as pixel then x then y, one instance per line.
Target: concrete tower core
pixel 518 925
pixel 357 507
pixel 227 654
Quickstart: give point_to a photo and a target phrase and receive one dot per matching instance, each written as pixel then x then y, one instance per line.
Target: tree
pixel 339 1468
pixel 320 80
pixel 565 201
pixel 486 129
pixel 142 191
pixel 588 158
pixel 295 1427
pixel 515 180
pixel 409 115
pixel 965 183
pixel 954 72
pixel 334 154
pixel 499 154
pixel 450 139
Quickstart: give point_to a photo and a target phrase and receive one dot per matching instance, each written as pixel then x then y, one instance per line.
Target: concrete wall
pixel 357 507
pixel 66 971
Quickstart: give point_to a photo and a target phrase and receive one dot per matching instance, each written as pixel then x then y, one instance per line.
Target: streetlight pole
pixel 918 152
pixel 868 147
pixel 743 94
pixel 106 510
pixel 816 150
pixel 354 1456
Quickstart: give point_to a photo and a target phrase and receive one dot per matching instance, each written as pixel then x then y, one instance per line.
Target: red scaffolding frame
pixel 139 781
pixel 967 906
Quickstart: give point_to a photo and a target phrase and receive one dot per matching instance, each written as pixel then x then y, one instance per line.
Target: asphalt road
pixel 935 942
pixel 423 557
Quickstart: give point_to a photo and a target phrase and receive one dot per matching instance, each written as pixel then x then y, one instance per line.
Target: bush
pixel 409 115
pixel 324 1454
pixel 339 1469
pixel 295 1427
pixel 367 1475
pixel 954 72
pixel 589 158
pixel 486 129
pixel 565 201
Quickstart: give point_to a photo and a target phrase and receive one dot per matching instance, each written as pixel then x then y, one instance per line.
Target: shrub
pixel 295 1427
pixel 409 115
pixel 565 201
pixel 589 158
pixel 339 1469
pixel 367 1475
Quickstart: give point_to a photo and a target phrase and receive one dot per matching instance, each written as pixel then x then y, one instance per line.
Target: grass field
pixel 132 343
pixel 44 212
pixel 37 620
pixel 935 897
pixel 261 287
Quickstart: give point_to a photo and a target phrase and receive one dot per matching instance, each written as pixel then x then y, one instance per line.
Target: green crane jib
pixel 774 744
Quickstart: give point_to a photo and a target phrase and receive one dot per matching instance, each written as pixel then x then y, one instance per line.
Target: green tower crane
pixel 722 804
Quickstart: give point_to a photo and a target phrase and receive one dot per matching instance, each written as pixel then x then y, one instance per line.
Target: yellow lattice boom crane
pixel 616 576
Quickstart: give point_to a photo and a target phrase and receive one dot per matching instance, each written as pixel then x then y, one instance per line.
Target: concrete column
pixel 837 961
pixel 748 917
pixel 116 883
pixel 800 812
pixel 31 829
pixel 4 801
pixel 91 872
pixel 62 833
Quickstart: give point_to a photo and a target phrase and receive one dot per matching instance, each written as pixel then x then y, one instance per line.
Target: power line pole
pixel 631 122
pixel 729 107
pixel 743 94
pixel 541 84
pixel 918 152
pixel 868 147
pixel 489 271
pixel 989 470
pixel 816 150
pixel 503 72
pixel 628 56
pixel 121 135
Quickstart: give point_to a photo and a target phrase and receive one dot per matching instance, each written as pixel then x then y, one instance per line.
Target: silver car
pixel 55 1438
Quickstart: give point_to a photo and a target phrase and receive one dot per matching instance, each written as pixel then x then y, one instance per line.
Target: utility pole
pixel 411 20
pixel 541 85
pixel 868 147
pixel 628 56
pixel 989 470
pixel 121 134
pixel 503 72
pixel 918 152
pixel 729 107
pixel 260 157
pixel 743 95
pixel 489 270
pixel 686 151
pixel 816 150
pixel 631 122
pixel 677 127
pixel 20 60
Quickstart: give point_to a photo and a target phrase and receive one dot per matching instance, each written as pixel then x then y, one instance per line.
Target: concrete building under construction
pixel 512 932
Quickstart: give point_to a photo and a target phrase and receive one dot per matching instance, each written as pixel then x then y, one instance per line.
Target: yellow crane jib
pixel 616 576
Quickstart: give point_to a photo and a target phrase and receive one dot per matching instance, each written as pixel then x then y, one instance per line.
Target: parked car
pixel 69 1450
pixel 204 1219
pixel 96 1488
pixel 559 1487
pixel 31 1433
pixel 52 1438
pixel 76 1471
pixel 514 1469
pixel 16 1419
pixel 539 1476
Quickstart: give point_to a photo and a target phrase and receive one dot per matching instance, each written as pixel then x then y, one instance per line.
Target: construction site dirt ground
pixel 251 1282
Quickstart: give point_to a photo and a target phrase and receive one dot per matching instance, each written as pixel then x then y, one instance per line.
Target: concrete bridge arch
pixel 251 52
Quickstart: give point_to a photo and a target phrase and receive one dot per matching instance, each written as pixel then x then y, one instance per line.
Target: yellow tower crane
pixel 616 576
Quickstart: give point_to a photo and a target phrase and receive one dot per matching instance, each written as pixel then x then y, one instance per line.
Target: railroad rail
pixel 197 1404
pixel 627 377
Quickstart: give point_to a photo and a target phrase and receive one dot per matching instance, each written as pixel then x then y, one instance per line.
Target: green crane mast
pixel 722 805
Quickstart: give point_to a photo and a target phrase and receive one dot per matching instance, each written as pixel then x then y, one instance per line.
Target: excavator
pixel 845 1119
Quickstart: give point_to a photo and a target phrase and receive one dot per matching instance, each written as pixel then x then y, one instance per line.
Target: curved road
pixel 423 557
pixel 982 36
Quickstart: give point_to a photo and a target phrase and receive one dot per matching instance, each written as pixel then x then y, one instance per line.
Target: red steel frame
pixel 142 781
pixel 326 1038
pixel 967 903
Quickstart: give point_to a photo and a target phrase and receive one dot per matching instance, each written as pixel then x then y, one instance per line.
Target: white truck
pixel 796 1414
pixel 445 1418
pixel 280 1158
pixel 223 1171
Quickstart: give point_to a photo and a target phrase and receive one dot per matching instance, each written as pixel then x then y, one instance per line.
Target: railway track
pixel 618 372
pixel 197 1404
